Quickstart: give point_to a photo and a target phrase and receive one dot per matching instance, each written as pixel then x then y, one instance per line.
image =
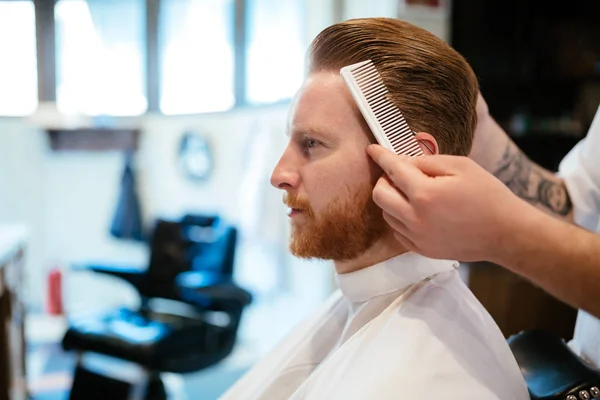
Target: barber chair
pixel 551 369
pixel 199 333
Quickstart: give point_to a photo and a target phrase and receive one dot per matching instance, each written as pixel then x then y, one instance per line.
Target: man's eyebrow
pixel 311 131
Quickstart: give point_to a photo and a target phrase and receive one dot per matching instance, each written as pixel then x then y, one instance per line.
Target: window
pixel 198 64
pixel 18 69
pixel 100 57
pixel 275 50
pixel 197 56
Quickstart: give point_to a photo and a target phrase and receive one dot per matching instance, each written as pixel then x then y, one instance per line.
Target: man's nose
pixel 285 176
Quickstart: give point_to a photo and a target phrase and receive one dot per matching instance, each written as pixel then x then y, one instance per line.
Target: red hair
pixel 431 83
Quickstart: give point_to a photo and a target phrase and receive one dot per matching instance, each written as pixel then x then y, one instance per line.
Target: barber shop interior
pixel 190 207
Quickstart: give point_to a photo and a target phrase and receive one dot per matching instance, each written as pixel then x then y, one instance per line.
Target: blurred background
pixel 117 116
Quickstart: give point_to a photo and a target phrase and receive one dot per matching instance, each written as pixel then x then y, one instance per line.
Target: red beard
pixel 345 230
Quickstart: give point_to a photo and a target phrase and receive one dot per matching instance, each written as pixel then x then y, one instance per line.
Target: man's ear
pixel 428 143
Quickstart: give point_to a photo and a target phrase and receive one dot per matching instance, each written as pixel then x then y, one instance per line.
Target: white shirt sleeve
pixel 580 170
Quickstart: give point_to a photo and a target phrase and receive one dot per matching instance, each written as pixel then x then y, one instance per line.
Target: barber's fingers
pixel 405 242
pixel 432 166
pixel 402 173
pixel 396 224
pixel 401 232
pixel 391 199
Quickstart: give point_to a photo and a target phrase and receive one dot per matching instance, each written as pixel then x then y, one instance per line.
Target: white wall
pixel 319 15
pixel 21 187
pixel 435 20
pixel 367 9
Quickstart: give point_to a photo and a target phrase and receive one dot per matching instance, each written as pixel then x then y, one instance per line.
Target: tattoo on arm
pixel 531 183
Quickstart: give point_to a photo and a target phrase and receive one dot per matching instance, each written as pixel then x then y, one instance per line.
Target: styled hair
pixel 429 81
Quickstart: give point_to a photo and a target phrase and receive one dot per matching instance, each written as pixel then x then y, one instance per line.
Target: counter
pixel 13 383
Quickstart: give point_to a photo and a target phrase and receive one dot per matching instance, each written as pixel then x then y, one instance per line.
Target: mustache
pixel 299 203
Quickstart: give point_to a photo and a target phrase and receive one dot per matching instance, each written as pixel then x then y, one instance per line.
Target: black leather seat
pixel 550 368
pixel 201 250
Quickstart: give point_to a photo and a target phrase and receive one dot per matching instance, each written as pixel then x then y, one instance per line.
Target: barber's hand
pixel 445 206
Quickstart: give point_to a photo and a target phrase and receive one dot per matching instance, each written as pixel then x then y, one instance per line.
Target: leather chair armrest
pixel 132 275
pixel 551 369
pixel 201 288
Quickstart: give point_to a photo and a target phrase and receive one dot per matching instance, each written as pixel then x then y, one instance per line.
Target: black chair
pixel 202 249
pixel 550 368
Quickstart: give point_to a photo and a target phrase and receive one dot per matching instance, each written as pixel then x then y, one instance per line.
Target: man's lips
pixel 294 211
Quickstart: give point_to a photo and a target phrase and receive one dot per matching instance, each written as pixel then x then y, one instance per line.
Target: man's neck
pixel 383 249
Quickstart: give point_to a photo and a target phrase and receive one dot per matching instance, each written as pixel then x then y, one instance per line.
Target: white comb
pixel 383 117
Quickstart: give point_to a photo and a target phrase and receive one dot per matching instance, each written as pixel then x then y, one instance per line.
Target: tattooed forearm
pixel 533 184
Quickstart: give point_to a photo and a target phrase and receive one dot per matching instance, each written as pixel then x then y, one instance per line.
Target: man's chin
pixel 304 256
pixel 311 247
pixel 302 248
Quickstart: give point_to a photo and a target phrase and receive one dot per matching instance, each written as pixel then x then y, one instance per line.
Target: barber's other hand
pixel 445 206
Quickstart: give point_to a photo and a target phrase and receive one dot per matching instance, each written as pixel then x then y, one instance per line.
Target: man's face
pixel 327 175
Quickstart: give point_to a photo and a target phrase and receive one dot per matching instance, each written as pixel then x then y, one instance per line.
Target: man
pixel 401 325
pixel 433 199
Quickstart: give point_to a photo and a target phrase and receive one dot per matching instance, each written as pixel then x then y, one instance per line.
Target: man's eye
pixel 310 143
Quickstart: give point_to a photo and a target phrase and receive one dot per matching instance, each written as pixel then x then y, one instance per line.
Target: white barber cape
pixel 405 328
pixel 581 172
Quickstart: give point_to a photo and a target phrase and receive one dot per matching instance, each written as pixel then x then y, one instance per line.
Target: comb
pixel 383 117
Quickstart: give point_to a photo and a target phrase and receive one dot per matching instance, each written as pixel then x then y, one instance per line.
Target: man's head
pixel 325 170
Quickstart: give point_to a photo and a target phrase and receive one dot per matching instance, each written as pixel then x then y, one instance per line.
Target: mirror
pixel 195 158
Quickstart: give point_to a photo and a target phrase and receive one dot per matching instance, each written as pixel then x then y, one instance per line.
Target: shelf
pixel 94 139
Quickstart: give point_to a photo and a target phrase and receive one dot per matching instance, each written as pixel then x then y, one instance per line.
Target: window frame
pixel 46 54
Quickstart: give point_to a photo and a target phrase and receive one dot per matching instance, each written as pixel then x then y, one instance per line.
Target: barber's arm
pixel 498 154
pixel 449 207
